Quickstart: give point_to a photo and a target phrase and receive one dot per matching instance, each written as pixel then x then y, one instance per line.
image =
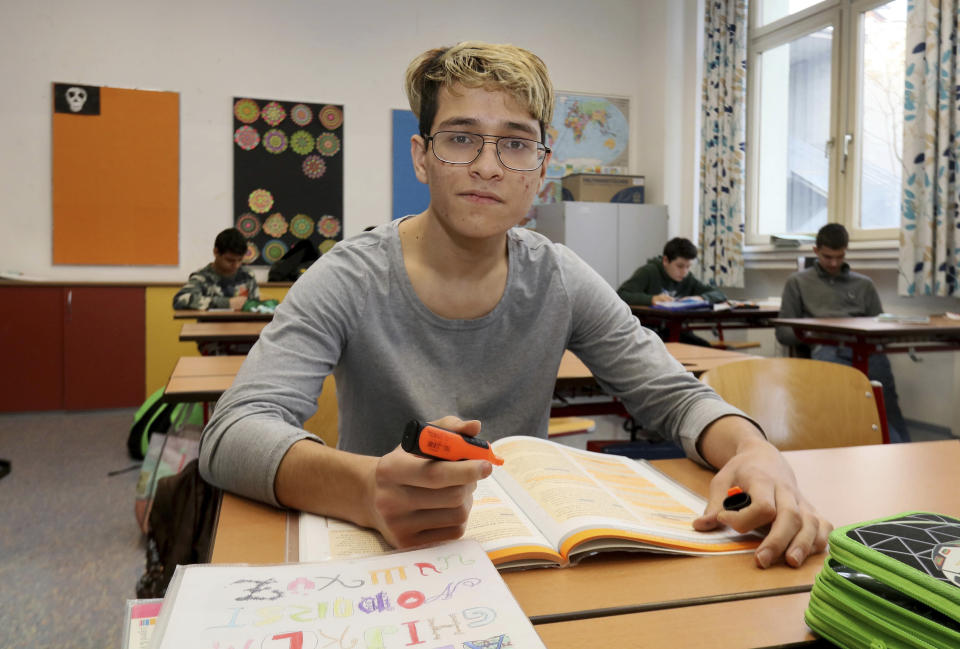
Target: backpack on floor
pixel 154 416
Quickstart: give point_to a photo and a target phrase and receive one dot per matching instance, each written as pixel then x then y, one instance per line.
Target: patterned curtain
pixel 722 142
pixel 929 236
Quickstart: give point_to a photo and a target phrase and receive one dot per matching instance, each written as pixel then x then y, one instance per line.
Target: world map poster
pixel 588 134
pixel 287 176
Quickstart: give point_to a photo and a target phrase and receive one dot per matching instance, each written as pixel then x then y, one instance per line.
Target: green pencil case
pixel 890 583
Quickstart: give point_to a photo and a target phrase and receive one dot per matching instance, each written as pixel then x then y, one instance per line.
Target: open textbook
pixel 550 504
pixel 443 596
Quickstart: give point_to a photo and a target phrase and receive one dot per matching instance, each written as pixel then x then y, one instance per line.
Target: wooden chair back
pixel 323 424
pixel 801 403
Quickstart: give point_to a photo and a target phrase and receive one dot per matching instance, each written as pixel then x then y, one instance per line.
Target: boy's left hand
pixel 796 530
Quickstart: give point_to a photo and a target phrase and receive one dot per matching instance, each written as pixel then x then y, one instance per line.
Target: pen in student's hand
pixel 429 441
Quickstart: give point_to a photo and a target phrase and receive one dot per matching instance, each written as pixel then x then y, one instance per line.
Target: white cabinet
pixel 614 238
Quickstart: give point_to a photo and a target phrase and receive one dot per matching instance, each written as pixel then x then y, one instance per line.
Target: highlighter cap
pixel 410 433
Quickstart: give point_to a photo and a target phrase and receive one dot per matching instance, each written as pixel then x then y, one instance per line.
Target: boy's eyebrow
pixel 473 122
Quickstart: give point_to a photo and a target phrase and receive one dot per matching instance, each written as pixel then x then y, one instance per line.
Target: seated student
pixel 829 289
pixel 223 283
pixel 457 317
pixel 667 278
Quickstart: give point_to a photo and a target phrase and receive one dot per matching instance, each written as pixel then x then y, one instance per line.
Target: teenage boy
pixel 455 316
pixel 223 283
pixel 667 278
pixel 829 289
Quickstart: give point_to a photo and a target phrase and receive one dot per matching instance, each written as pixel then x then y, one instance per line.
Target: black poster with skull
pixel 287 176
pixel 75 99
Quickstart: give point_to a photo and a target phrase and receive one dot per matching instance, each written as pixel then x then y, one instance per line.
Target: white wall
pixel 351 53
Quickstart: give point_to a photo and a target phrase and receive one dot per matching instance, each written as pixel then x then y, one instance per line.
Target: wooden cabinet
pixel 31 348
pixel 71 347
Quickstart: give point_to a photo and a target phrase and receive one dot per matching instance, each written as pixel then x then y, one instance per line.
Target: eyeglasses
pixel 517 153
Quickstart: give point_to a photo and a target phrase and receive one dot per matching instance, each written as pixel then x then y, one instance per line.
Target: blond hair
pixel 473 64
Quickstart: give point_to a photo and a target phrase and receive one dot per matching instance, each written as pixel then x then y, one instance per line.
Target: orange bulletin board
pixel 116 180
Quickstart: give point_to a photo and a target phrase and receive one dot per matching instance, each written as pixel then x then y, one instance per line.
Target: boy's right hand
pixel 663 297
pixel 237 302
pixel 417 501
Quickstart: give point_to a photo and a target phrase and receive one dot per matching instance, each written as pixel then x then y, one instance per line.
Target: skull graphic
pixel 76 98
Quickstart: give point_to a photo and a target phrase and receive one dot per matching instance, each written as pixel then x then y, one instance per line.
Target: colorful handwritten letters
pixel 444 597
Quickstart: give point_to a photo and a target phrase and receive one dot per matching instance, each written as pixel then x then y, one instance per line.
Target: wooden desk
pixel 226 332
pixel 846 484
pixel 221 316
pixel 865 336
pixel 737 624
pixel 574 375
pixel 201 378
pixel 677 321
pixel 698 359
pixel 573 369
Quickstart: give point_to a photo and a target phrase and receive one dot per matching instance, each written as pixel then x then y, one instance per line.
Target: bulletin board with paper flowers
pixel 287 176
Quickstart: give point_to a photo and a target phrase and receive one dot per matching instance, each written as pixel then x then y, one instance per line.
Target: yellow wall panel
pixel 163 337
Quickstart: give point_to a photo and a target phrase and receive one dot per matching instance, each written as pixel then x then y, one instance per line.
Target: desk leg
pixel 673 328
pixel 861 356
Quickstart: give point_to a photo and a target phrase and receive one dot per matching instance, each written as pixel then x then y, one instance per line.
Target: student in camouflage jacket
pixel 223 283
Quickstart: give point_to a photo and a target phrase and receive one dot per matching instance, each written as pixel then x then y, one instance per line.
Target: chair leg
pixel 881 410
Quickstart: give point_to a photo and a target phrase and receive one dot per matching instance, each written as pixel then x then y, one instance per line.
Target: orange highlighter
pixel 427 440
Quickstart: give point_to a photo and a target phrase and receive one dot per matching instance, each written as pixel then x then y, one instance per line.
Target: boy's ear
pixel 418 154
pixel 543 167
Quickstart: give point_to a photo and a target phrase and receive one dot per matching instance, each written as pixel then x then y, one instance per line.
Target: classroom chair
pixel 802 403
pixel 323 424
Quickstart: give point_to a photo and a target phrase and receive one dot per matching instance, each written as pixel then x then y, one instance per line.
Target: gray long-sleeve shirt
pixel 815 293
pixel 356 314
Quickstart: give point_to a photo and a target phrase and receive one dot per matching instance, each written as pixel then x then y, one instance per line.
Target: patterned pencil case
pixel 891 582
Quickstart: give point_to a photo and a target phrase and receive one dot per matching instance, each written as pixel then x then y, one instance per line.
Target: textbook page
pixel 548 501
pixel 583 501
pixel 447 595
pixel 505 532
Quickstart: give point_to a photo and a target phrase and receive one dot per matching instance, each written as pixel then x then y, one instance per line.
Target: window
pixel 825 116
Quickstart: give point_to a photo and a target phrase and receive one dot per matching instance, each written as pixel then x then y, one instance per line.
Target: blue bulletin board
pixel 410 196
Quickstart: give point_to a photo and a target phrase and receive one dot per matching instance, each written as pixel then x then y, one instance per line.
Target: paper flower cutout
pixel 329 226
pixel 260 201
pixel 252 253
pixel 328 144
pixel 301 142
pixel 246 138
pixel 246 110
pixel 301 226
pixel 301 114
pixel 314 166
pixel 274 249
pixel 273 113
pixel 275 141
pixel 249 225
pixel 275 226
pixel 331 117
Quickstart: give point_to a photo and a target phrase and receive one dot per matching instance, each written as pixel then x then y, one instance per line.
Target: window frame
pixel 846 87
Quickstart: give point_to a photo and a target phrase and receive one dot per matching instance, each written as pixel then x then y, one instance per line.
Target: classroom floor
pixel 70 548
